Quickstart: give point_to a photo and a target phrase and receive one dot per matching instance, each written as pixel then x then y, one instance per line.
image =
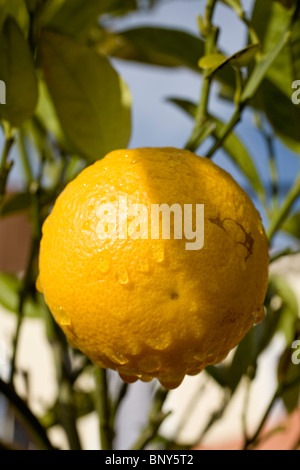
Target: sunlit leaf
pixel 17 10
pixel 262 67
pixel 74 17
pixel 91 100
pixel 292 225
pixel 288 305
pixel 160 46
pixel 10 287
pixel 238 59
pixel 18 73
pixel 282 114
pixel 211 61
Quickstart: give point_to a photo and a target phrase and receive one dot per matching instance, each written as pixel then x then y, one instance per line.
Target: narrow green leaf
pixel 91 100
pixel 270 20
pixel 282 114
pixel 47 115
pixel 161 47
pixel 10 298
pixel 235 5
pixel 260 70
pixel 288 371
pixel 74 17
pixel 233 146
pixel 18 73
pixel 292 225
pixel 238 59
pixel 17 10
pixel 289 307
pixel 211 61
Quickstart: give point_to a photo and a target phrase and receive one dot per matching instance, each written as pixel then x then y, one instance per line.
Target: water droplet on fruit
pixel 159 253
pixel 63 318
pixel 123 277
pixel 104 264
pixel 118 358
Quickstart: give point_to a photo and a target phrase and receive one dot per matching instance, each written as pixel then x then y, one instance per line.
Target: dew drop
pixel 118 358
pixel 122 277
pixel 63 318
pixel 159 253
pixel 104 265
pixel 258 315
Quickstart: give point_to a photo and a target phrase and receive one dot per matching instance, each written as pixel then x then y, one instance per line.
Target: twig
pixel 282 388
pixel 5 166
pixel 210 33
pixel 32 424
pixel 103 408
pixel 156 418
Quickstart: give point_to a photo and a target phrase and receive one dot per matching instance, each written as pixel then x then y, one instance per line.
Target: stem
pixel 22 297
pixel 156 418
pixel 24 158
pixel 5 166
pixel 281 214
pixel 32 424
pixel 210 33
pixel 227 129
pixel 103 408
pixel 282 388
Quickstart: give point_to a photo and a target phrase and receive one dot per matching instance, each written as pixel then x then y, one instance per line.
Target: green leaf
pixel 16 203
pixel 158 46
pixel 47 116
pixel 235 5
pixel 18 73
pixel 161 47
pixel 288 305
pixel 238 59
pixel 74 17
pixel 287 372
pixel 292 225
pixel 10 287
pixel 262 67
pixel 91 100
pixel 240 156
pixel 270 20
pixel 211 61
pixel 233 146
pixel 287 3
pixel 16 9
pixel 282 114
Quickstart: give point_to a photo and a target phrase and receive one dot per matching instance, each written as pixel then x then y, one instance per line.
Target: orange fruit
pixel 154 307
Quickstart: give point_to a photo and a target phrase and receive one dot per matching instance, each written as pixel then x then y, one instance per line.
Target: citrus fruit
pixel 148 303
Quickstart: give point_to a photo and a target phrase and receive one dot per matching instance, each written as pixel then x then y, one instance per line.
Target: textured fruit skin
pixel 151 308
